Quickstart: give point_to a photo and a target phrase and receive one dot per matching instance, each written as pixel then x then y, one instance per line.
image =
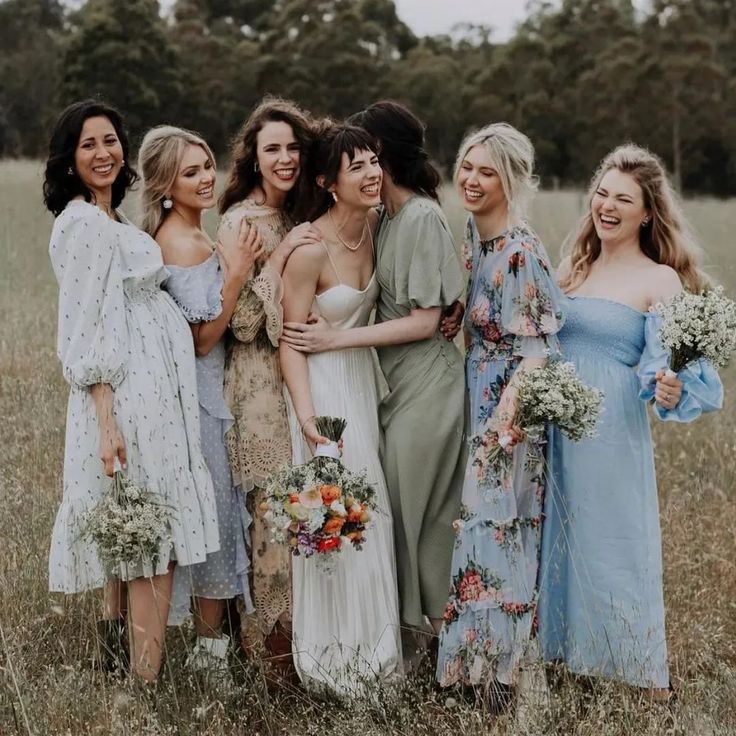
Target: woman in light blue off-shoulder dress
pixel 601 603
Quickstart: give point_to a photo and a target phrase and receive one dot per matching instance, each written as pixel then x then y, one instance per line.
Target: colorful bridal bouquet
pixel 698 326
pixel 318 507
pixel 128 525
pixel 553 394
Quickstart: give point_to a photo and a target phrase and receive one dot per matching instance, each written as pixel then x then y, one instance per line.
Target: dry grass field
pixel 47 683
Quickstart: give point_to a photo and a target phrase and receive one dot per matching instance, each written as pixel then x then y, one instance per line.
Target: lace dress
pixel 513 312
pixel 117 326
pixel 259 441
pixel 224 575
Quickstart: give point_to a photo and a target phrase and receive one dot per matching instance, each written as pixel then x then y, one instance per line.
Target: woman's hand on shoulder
pixel 304 234
pixel 238 255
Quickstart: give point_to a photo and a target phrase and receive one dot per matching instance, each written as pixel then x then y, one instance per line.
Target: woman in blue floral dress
pixel 511 322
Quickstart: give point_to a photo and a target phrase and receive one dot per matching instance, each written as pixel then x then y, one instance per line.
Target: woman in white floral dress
pixel 126 351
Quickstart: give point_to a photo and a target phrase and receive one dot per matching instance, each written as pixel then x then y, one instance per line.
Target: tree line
pixel 578 76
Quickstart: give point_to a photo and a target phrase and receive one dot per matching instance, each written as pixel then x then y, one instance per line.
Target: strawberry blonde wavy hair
pixel 666 239
pixel 159 159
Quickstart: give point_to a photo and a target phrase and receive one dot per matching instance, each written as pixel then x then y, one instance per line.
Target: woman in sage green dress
pixel 422 414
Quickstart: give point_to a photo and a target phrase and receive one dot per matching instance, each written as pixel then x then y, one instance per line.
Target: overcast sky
pixel 430 17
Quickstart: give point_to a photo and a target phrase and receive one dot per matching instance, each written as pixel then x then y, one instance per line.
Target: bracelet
pixel 304 423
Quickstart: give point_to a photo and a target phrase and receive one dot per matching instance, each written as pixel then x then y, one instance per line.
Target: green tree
pixel 122 52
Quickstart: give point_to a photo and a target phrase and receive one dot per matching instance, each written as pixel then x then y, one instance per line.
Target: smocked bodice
pixel 603 329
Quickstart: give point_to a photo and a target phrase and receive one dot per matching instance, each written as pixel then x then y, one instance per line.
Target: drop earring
pixel 256 167
pixel 167 203
pixel 645 222
pixel 334 196
pixel 70 171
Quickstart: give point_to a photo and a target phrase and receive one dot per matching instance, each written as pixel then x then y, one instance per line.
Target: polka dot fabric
pixel 116 325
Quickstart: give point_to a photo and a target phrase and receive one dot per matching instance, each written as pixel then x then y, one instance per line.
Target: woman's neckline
pixel 609 301
pixel 194 265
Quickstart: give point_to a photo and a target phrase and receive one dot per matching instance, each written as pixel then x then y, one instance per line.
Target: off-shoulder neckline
pixel 205 262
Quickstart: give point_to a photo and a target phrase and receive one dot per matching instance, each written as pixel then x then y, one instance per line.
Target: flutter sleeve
pixel 197 290
pixel 259 302
pixel 92 342
pixel 702 390
pixel 531 302
pixel 427 272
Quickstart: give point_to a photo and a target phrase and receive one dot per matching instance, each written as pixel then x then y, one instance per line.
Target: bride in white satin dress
pixel 346 623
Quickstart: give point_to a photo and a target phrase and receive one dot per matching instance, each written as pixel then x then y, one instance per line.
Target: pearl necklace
pixel 351 248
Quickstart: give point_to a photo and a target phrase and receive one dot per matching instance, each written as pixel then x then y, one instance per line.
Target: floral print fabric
pixel 513 312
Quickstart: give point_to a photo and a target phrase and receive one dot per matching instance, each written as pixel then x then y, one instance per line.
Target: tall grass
pixel 47 683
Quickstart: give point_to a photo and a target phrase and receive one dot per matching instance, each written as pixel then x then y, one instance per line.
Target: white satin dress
pixel 346 622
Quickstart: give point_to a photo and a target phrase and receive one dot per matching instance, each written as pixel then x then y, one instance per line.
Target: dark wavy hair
pixel 400 134
pixel 60 186
pixel 243 178
pixel 331 141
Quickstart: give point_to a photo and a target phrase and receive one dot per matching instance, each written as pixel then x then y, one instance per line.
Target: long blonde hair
pixel 512 156
pixel 666 239
pixel 159 159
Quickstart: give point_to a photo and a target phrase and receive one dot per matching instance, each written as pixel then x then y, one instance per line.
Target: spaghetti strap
pixel 334 267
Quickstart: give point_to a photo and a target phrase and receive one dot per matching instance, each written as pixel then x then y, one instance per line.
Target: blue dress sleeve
pixel 531 302
pixel 197 289
pixel 702 390
pixel 92 341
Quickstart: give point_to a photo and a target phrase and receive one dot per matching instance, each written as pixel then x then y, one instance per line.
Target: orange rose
pixel 333 525
pixel 354 516
pixel 330 494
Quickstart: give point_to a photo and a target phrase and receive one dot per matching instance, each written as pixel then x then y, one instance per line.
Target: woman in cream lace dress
pixel 262 187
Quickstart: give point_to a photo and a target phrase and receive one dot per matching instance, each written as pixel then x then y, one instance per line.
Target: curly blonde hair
pixel 159 159
pixel 666 239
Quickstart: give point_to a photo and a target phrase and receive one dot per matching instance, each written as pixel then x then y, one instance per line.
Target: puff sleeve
pixel 531 302
pixel 427 271
pixel 259 302
pixel 702 390
pixel 197 290
pixel 92 342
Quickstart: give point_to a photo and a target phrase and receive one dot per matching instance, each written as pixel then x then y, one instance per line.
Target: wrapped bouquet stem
pixel 552 393
pixel 320 507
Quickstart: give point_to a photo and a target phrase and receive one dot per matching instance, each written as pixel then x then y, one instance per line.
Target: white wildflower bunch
pixel 549 394
pixel 128 525
pixel 553 394
pixel 698 326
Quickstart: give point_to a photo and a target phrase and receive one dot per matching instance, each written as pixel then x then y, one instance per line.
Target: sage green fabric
pixel 423 413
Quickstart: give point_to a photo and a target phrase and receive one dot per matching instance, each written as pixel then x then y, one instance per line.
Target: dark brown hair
pixel 243 177
pixel 400 134
pixel 60 186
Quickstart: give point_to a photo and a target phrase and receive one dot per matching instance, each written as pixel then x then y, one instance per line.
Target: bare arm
pixel 301 277
pixel 111 441
pixel 420 324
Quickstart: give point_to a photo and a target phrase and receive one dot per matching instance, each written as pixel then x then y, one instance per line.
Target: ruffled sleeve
pixel 92 342
pixel 702 390
pixel 531 302
pixel 427 272
pixel 259 302
pixel 197 290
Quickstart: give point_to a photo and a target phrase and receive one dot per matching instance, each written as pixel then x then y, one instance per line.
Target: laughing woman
pixel 178 171
pixel 127 352
pixel 601 608
pixel 262 189
pixel 512 316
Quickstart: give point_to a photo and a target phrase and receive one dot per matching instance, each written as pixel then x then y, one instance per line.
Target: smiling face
pixel 358 182
pixel 98 157
pixel 278 155
pixel 194 186
pixel 617 207
pixel 479 184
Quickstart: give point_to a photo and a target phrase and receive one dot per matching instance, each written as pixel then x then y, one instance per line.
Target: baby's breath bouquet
pixel 317 507
pixel 128 525
pixel 698 326
pixel 552 394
